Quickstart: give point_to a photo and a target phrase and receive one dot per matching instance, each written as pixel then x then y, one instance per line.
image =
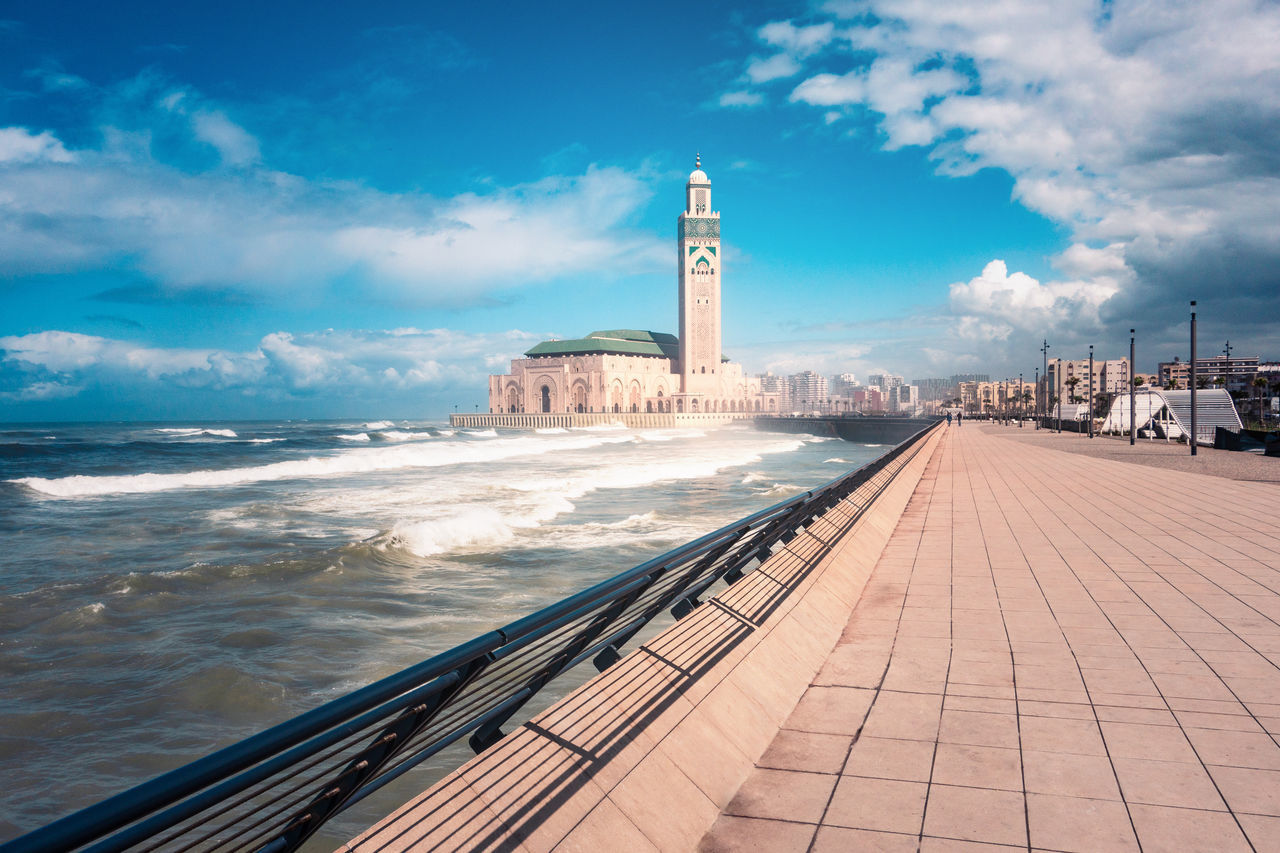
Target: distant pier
pixel 565 420
pixel 862 430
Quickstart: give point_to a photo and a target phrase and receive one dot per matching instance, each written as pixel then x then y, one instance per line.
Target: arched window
pixel 546 398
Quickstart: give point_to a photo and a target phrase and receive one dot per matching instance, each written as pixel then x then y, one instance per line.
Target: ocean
pixel 168 589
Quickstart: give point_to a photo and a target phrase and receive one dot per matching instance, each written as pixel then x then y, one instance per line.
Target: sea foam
pixel 364 460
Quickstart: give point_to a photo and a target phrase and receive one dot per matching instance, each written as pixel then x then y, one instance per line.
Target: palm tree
pixel 1260 382
pixel 1072 383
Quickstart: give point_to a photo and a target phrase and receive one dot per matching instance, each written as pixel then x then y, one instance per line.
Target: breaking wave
pixel 186 432
pixel 413 455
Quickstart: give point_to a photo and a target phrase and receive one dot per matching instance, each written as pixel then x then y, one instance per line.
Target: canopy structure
pixel 1070 411
pixel 1167 414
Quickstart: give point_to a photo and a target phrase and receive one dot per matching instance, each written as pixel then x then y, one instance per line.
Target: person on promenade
pixel 959 419
pixel 948 419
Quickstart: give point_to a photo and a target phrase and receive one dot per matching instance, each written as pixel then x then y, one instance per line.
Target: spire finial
pixel 697 160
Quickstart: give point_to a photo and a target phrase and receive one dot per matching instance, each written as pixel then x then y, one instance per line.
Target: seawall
pixel 647 754
pixel 863 430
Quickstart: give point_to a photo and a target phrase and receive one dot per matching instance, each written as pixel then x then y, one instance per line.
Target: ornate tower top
pixel 698 191
pixel 697 176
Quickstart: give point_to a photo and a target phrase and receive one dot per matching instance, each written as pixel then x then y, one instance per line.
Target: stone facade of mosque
pixel 635 372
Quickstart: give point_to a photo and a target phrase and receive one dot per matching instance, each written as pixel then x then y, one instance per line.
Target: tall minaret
pixel 698 237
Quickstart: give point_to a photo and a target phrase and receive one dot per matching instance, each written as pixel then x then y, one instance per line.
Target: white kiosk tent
pixel 1070 411
pixel 1167 414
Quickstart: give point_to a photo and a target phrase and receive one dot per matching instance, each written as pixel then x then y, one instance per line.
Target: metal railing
pixel 272 791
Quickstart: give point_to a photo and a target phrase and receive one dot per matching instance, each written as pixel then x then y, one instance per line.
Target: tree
pixel 1260 382
pixel 1138 382
pixel 1072 383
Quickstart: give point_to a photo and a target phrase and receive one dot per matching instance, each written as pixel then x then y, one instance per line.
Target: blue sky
pixel 310 210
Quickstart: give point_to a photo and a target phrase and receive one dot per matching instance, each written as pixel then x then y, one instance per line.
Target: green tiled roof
pixel 613 342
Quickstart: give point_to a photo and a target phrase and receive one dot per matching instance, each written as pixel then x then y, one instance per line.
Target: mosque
pixel 630 372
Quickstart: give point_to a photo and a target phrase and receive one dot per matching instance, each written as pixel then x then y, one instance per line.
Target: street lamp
pixel 1022 404
pixel 1133 425
pixel 1193 378
pixel 1090 390
pixel 1045 408
pixel 1038 397
pixel 1057 380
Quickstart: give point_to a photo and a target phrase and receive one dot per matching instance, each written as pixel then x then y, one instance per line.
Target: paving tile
pixel 1235 749
pixel 979 729
pixel 1229 722
pixel 1187 830
pixel 1249 790
pixel 889 758
pixel 879 804
pixel 976 814
pixel 608 828
pixel 783 795
pixel 1167 783
pixel 907 716
pixel 811 752
pixel 1070 775
pixel 1152 716
pixel 932 844
pixel 1263 831
pixel 733 834
pixel 1077 825
pixel 831 710
pixel 977 767
pixel 1141 740
pixel 662 800
pixel 954 702
pixel 840 839
pixel 1049 734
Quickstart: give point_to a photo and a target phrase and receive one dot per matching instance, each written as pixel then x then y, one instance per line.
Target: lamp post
pixel 1090 390
pixel 1057 380
pixel 1038 396
pixel 1045 408
pixel 1022 404
pixel 1133 423
pixel 1193 378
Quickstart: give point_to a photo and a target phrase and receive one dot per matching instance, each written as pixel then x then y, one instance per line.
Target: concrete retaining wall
pixel 646 755
pixel 647 420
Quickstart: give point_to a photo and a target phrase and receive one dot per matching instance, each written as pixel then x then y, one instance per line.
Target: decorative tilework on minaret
pixel 698 242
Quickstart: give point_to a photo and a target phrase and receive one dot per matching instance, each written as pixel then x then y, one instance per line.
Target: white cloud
pixel 1019 301
pixel 1148 129
pixel 210 214
pixel 774 67
pixel 829 90
pixel 19 145
pixel 235 145
pixel 801 41
pixel 258 230
pixel 57 364
pixel 741 99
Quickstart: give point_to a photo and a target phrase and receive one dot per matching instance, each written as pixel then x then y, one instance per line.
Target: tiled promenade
pixel 1054 652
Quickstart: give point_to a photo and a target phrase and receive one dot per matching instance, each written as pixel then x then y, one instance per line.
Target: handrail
pixel 272 791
